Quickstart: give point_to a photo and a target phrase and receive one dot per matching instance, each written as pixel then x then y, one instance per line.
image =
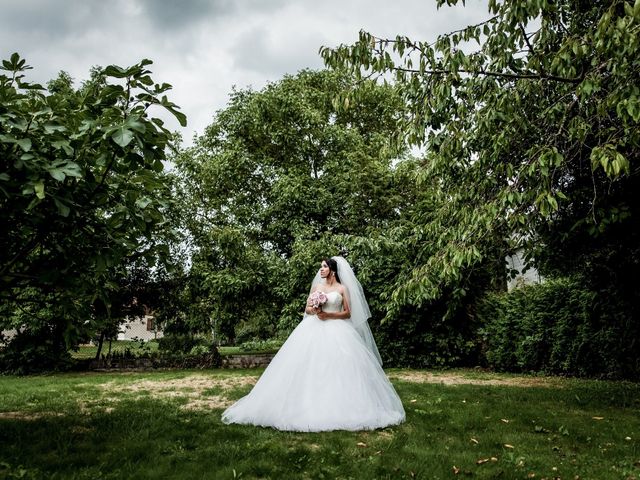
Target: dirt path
pixel 461 379
pixel 195 388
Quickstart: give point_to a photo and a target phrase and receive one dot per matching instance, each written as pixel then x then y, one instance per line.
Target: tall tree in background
pixel 276 171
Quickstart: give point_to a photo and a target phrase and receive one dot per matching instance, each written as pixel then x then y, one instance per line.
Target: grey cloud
pixel 45 20
pixel 258 50
pixel 181 14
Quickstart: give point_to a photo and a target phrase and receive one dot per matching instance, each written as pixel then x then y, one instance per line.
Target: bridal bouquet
pixel 318 299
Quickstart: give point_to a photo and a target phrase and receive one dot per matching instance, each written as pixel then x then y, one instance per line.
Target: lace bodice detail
pixel 334 302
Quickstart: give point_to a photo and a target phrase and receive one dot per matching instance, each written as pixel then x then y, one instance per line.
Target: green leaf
pixel 39 189
pixel 72 169
pixel 52 128
pixel 115 71
pixel 64 144
pixel 181 117
pixel 143 202
pixel 63 209
pixel 24 143
pixel 633 108
pixel 57 174
pixel 122 136
pixel 134 123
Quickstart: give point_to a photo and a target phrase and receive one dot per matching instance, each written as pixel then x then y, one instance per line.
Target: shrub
pixel 261 345
pixel 199 350
pixel 557 327
pixel 179 343
pixel 425 341
pixel 33 351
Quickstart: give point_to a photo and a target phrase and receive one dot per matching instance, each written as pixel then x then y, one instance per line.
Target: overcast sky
pixel 204 47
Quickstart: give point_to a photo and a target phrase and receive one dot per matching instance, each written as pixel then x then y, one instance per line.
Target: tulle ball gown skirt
pixel 323 378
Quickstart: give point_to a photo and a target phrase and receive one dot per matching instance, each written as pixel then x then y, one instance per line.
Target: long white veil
pixel 359 307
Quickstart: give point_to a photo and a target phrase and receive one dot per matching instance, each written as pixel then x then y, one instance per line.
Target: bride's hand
pixel 323 315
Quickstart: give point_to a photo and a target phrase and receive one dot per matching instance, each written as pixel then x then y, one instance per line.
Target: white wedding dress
pixel 324 377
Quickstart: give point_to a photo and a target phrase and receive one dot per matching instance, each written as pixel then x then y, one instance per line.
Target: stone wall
pixel 247 361
pixel 228 361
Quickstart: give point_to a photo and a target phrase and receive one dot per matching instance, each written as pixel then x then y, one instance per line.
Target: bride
pixel 328 374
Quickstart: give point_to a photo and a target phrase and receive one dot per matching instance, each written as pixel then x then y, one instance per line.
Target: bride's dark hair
pixel 333 266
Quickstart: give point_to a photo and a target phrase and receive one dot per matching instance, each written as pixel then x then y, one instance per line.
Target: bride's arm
pixel 311 310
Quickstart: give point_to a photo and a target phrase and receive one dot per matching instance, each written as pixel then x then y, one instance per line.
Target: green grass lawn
pixel 460 424
pixel 119 346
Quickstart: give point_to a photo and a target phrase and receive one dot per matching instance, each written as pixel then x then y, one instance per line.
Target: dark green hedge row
pixel 558 327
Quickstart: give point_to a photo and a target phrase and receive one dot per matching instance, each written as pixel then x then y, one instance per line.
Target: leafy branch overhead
pixel 530 119
pixel 82 187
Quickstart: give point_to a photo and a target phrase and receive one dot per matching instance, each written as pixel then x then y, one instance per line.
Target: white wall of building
pixel 139 328
pixel 528 277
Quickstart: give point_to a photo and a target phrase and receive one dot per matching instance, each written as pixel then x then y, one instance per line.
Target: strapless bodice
pixel 333 303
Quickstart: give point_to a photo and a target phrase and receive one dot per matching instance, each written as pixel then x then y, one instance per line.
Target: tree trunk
pixel 100 342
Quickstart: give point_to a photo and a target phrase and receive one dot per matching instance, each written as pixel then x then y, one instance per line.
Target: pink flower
pixel 318 299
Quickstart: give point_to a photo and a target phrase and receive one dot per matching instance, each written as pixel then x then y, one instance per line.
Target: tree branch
pixel 516 76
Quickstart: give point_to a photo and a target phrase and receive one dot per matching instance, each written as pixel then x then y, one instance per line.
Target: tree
pixel 280 173
pixel 531 138
pixel 82 188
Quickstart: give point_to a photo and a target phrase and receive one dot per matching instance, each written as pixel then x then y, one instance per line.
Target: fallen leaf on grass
pixel 480 461
pixel 598 418
pixel 531 475
pixel 456 470
pixel 413 400
pixel 504 420
pixel 506 445
pixel 475 441
pixel 494 459
pixel 361 444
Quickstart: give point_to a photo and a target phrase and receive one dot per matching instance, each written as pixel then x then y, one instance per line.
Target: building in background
pixel 140 328
pixel 516 263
